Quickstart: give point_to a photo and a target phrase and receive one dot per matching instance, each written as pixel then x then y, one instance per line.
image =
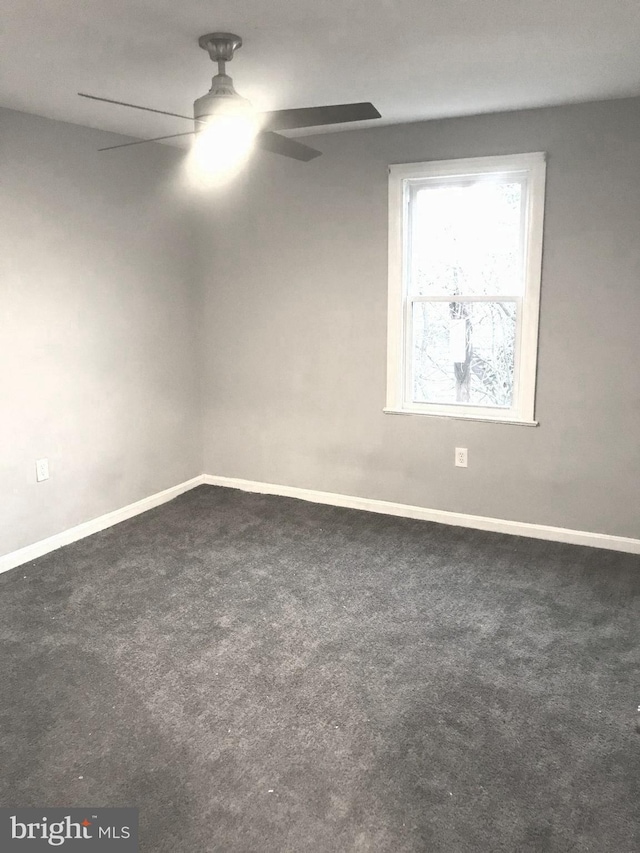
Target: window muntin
pixel 465 257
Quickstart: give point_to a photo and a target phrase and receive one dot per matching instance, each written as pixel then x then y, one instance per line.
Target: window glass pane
pixel 466 239
pixel 463 352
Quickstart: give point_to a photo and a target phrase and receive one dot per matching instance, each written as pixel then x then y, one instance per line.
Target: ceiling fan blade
pixel 142 141
pixel 315 116
pixel 138 107
pixel 277 144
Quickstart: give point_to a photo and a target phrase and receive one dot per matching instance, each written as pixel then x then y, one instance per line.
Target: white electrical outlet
pixel 42 470
pixel 461 457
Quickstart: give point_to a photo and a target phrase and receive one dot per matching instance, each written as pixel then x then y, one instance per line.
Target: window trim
pixel 401 176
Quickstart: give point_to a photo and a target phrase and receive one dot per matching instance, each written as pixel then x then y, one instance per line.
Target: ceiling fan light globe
pixel 225 140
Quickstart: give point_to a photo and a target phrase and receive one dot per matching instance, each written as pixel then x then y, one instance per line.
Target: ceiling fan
pixel 222 100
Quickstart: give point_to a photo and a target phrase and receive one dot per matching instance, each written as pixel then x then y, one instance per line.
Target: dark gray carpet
pixel 259 674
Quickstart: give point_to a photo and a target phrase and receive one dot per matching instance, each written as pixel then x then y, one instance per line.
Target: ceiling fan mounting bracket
pixel 220 46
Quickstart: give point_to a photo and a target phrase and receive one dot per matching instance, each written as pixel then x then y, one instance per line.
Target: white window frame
pixel 529 167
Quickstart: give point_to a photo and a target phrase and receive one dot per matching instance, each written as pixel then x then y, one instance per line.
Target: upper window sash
pixel 420 205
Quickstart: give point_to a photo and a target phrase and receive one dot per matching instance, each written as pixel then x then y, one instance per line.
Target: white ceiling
pixel 413 59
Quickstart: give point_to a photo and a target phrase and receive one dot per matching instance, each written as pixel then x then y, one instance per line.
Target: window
pixel 465 256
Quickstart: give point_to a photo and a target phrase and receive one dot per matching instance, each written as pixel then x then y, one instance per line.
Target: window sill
pixel 462 417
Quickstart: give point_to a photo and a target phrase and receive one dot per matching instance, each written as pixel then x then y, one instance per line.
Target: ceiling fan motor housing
pixel 221 99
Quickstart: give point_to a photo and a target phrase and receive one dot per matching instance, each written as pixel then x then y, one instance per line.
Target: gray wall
pixel 97 356
pixel 295 277
pixel 101 321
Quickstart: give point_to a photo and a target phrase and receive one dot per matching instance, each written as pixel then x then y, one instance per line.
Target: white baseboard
pixel 479 522
pixel 459 519
pixel 44 546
